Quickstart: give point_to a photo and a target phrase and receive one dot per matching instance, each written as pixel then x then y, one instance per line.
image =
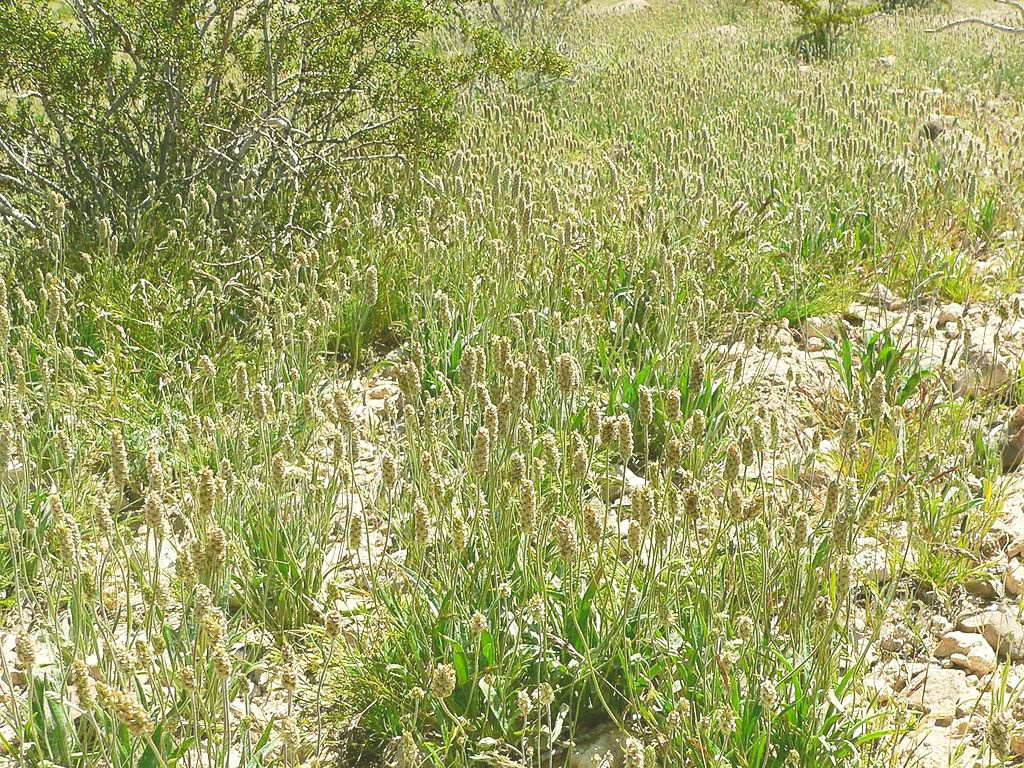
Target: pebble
pixel 967 651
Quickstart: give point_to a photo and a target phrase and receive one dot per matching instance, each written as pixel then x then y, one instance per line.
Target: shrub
pixel 114 107
pixel 824 22
pixel 533 19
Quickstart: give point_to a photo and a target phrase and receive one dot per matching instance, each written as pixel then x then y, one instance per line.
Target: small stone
pixel 949 313
pixel 937 691
pixel 983 372
pixel 986 589
pixel 1013 579
pixel 599 748
pixel 967 651
pixel 1010 438
pixel 815 344
pixel 871 563
pixel 884 297
pixel 1001 631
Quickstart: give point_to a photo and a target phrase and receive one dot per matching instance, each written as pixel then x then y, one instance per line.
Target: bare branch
pixel 7 209
pixel 1013 4
pixel 983 22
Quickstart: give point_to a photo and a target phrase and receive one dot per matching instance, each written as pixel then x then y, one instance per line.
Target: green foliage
pixel 118 106
pixel 879 357
pixel 534 19
pixel 824 22
pixel 891 6
pixel 653 219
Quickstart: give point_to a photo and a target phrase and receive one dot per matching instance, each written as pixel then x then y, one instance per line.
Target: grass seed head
pixel 673 405
pixel 481 451
pixel 568 373
pixel 206 493
pixel 24 650
pixel 552 456
pixel 698 425
pixel 126 708
pixel 442 681
pixel 477 624
pixel 408 751
pixel 624 436
pixel 118 459
pixel 84 685
pixel 421 524
pixel 564 532
pixel 732 464
pixel 645 406
pixel 633 753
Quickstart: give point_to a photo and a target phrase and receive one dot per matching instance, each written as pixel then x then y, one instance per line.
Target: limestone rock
pixel 983 372
pixel 985 588
pixel 1010 439
pixel 871 563
pixel 1001 631
pixel 937 748
pixel 1013 579
pixel 884 297
pixel 937 692
pixel 599 748
pixel 967 651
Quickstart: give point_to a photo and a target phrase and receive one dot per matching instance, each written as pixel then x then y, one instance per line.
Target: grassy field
pixel 500 453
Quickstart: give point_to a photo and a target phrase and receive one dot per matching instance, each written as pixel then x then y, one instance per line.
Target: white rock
pixel 933 747
pixel 598 749
pixel 821 327
pixel 815 344
pixel 871 563
pixel 1001 631
pixel 884 297
pixel 949 313
pixel 967 651
pixel 1013 579
pixel 937 692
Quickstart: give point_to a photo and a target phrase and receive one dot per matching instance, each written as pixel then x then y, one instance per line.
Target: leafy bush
pixel 890 6
pixel 112 107
pixel 533 19
pixel 824 22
